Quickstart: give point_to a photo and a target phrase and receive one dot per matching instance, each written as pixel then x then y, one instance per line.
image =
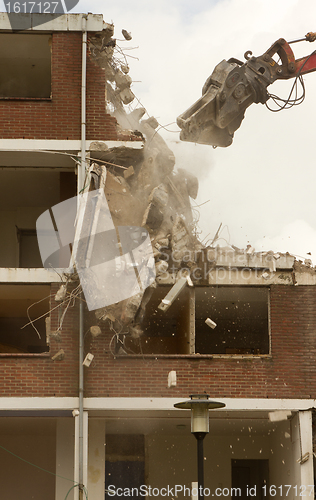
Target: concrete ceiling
pixel 20 188
pixel 178 422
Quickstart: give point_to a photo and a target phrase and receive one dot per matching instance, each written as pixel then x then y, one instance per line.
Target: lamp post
pixel 199 404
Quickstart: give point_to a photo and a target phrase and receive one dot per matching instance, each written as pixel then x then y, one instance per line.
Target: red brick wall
pixel 38 375
pixel 289 373
pixel 60 118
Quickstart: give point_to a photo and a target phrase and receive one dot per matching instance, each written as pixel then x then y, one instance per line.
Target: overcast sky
pixel 262 187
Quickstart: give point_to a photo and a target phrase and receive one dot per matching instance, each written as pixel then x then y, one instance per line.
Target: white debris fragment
pixel 250 250
pixel 172 379
pixel 190 282
pixel 172 294
pixel 48 328
pixel 279 415
pixel 88 359
pixel 210 323
pixel 304 458
pixel 61 294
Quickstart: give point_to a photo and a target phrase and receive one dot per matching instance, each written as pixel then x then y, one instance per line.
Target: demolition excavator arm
pixel 234 86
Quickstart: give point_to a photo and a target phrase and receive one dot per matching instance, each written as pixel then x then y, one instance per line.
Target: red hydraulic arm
pixel 290 66
pixel 234 86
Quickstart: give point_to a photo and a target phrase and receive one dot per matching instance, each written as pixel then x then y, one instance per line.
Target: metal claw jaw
pixel 204 122
pixel 208 134
pixel 234 86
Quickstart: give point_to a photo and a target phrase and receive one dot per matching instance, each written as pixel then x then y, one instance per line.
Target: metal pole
pixel 199 404
pixel 81 388
pixel 81 178
pixel 200 462
pixel 82 169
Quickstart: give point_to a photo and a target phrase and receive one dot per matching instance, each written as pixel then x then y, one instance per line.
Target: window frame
pixel 17 93
pixel 192 332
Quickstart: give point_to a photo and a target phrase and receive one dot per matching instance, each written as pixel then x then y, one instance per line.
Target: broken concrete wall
pixel 147 193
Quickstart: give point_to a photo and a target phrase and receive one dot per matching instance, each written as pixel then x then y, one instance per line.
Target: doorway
pixel 250 478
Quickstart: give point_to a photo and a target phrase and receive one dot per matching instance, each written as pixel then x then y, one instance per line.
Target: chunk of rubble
pixel 146 298
pixel 61 293
pixel 127 96
pixel 161 267
pixel 131 307
pixel 153 217
pixel 95 331
pixel 98 146
pixel 172 294
pixel 180 240
pixel 122 80
pixel 129 172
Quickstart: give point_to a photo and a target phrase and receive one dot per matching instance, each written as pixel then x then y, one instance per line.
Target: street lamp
pixel 199 404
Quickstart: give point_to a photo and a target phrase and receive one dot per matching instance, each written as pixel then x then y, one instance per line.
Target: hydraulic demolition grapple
pixel 234 85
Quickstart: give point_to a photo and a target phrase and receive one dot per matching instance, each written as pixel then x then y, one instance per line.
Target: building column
pixel 302 447
pixel 65 438
pixel 96 459
pixel 85 454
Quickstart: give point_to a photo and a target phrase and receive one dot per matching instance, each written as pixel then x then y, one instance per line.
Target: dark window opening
pixel 241 317
pixel 34 439
pixel 165 332
pixel 125 463
pixel 250 479
pixel 25 193
pixel 25 61
pixel 29 254
pixel 16 302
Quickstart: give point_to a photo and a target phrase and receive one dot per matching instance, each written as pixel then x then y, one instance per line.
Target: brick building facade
pixel 57 116
pixel 259 360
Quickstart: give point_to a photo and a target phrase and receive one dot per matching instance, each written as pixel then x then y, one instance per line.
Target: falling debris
pixel 210 323
pixel 279 415
pixel 88 359
pixel 59 356
pixel 95 331
pixel 126 35
pixel 148 191
pixel 129 172
pixel 172 379
pixel 172 294
pixel 61 294
pixel 250 250
pixel 303 459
